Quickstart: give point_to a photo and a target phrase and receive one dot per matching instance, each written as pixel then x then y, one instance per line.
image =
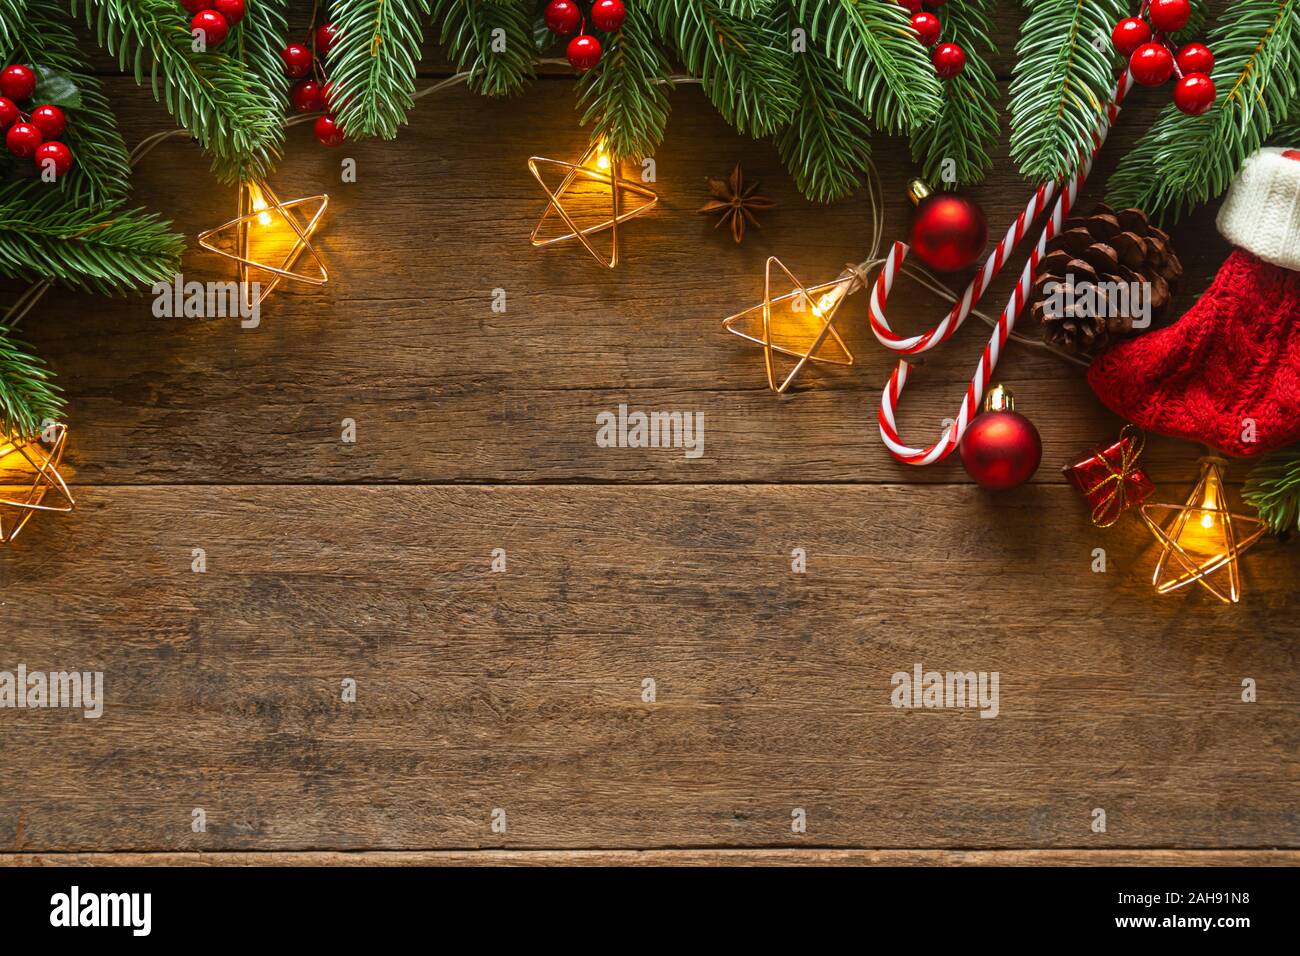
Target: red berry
pixel 608 15
pixel 563 17
pixel 927 25
pixel 194 6
pixel 49 120
pixel 935 3
pixel 232 10
pixel 8 112
pixel 1129 34
pixel 583 51
pixel 212 26
pixel 18 82
pixel 1196 58
pixel 327 131
pixel 306 96
pixel 913 6
pixel 1151 64
pixel 297 60
pixel 325 37
pixel 1169 16
pixel 23 139
pixel 55 156
pixel 949 59
pixel 1194 94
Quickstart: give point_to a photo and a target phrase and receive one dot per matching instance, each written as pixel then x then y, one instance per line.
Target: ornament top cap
pixel 918 190
pixel 999 399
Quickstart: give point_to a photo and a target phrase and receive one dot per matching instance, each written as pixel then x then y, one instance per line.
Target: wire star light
pixel 1202 538
pixel 265 230
pixel 15 512
pixel 806 318
pixel 594 167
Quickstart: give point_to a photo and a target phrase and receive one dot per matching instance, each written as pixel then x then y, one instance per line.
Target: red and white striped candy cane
pixel 916 344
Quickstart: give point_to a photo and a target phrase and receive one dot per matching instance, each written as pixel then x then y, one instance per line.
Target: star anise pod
pixel 737 202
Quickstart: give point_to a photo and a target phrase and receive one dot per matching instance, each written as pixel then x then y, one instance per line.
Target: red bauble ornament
pixel 583 51
pixel 608 15
pixel 328 132
pixel 1000 447
pixel 50 121
pixel 928 27
pixel 212 25
pixel 297 60
pixel 56 156
pixel 949 232
pixel 1151 64
pixel 1129 34
pixel 18 82
pixel 306 96
pixel 325 37
pixel 1194 93
pixel 194 6
pixel 949 59
pixel 1169 16
pixel 913 6
pixel 23 139
pixel 1195 58
pixel 563 17
pixel 8 112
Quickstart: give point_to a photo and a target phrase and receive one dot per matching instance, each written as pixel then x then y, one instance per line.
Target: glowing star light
pixel 594 167
pixel 29 471
pixel 267 239
pixel 1204 537
pixel 799 324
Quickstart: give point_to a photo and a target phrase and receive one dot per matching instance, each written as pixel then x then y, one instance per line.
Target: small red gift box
pixel 1111 480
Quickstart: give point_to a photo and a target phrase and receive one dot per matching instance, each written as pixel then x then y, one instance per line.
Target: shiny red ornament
pixel 1151 64
pixel 583 51
pixel 1195 58
pixel 1194 93
pixel 949 59
pixel 1169 16
pixel 325 37
pixel 1000 448
pixel 212 25
pixel 928 27
pixel 18 82
pixel 232 10
pixel 194 6
pixel 562 17
pixel 1129 34
pixel 949 232
pixel 8 112
pixel 328 132
pixel 306 96
pixel 50 121
pixel 297 60
pixel 54 156
pixel 23 139
pixel 608 15
pixel 913 6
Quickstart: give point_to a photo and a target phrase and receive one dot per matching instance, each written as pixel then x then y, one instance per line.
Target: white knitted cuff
pixel 1262 211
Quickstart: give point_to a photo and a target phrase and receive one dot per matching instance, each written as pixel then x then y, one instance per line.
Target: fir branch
pixel 227 107
pixel 257 41
pixel 372 63
pixel 967 124
pixel 626 96
pixel 875 48
pixel 748 8
pixel 12 16
pixel 493 41
pixel 1063 79
pixel 1273 489
pixel 1186 160
pixel 28 397
pixel 828 143
pixel 742 63
pixel 106 249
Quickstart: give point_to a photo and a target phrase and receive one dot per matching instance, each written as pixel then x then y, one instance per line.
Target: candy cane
pixel 916 344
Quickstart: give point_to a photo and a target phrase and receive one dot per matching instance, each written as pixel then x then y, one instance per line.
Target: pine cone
pixel 1108 267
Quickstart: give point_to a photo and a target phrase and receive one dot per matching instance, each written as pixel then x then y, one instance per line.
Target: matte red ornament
pixel 306 96
pixel 949 59
pixel 194 6
pixel 18 82
pixel 608 15
pixel 8 112
pixel 928 27
pixel 328 132
pixel 1195 58
pixel 212 26
pixel 50 121
pixel 1129 34
pixel 232 10
pixel 23 139
pixel 949 232
pixel 583 51
pixel 56 155
pixel 325 37
pixel 563 17
pixel 1194 94
pixel 297 60
pixel 1169 16
pixel 1000 448
pixel 1151 64
pixel 913 6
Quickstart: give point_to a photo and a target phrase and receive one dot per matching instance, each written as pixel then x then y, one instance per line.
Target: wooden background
pixel 522 691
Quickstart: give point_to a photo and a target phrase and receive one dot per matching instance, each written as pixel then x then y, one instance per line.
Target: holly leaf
pixel 55 88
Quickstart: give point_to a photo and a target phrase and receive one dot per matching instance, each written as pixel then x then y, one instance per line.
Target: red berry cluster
pixel 311 93
pixel 949 59
pixel 1152 60
pixel 564 17
pixel 32 135
pixel 213 19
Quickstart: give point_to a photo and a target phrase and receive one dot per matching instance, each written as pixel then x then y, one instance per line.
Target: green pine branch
pixel 257 41
pixel 1273 489
pixel 11 20
pixel 1063 78
pixel 226 106
pixel 748 8
pixel 28 397
pixel 493 41
pixel 372 63
pixel 1183 160
pixel 626 95
pixel 877 53
pixel 742 63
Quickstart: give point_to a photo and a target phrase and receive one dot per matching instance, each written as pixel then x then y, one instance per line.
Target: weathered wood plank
pixel 523 690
